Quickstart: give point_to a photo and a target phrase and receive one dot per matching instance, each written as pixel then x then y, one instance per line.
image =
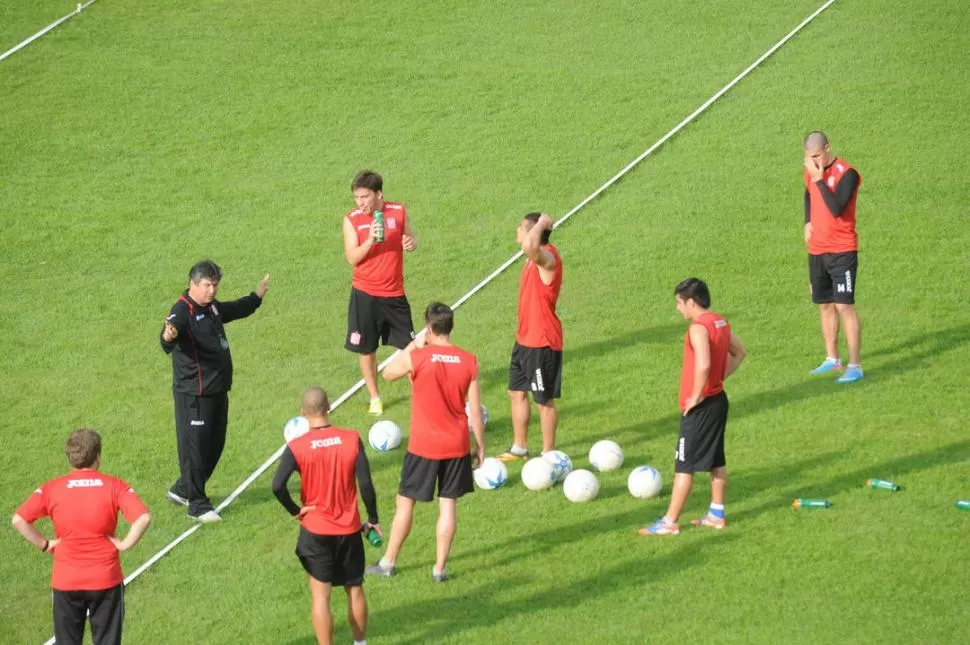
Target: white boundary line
pixel 353 390
pixel 54 25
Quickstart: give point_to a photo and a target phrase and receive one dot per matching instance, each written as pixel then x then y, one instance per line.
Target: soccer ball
pixel 295 427
pixel 384 435
pixel 562 465
pixel 468 413
pixel 538 474
pixel 491 474
pixel 606 455
pixel 644 482
pixel 581 486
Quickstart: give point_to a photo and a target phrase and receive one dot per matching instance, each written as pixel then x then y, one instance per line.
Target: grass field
pixel 141 137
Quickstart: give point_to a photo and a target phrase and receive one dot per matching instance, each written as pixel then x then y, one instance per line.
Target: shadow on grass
pixel 431 621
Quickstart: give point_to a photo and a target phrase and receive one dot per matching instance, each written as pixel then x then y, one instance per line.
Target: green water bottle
pixel 882 484
pixel 379 221
pixel 804 502
pixel 963 504
pixel 373 536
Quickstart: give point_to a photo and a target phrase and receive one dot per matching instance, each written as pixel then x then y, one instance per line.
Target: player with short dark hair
pixel 378 311
pixel 831 188
pixel 712 352
pixel 443 378
pixel 83 506
pixel 332 464
pixel 194 334
pixel 536 363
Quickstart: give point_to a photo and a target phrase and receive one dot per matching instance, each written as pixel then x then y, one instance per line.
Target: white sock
pixel 435 571
pixel 515 450
pixel 855 365
pixel 384 564
pixel 834 359
pixel 363 642
pixel 375 398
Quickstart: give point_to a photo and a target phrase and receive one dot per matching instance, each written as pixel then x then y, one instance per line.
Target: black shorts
pixel 419 476
pixel 537 370
pixel 106 608
pixel 700 447
pixel 337 559
pixel 833 277
pixel 373 319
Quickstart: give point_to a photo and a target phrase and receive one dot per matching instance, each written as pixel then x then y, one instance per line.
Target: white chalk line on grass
pixel 353 390
pixel 54 25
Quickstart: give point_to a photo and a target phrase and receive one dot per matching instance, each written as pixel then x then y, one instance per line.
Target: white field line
pixel 353 390
pixel 54 25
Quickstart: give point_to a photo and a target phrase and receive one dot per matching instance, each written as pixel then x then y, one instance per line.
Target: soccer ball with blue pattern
pixel 384 435
pixel 644 482
pixel 468 413
pixel 562 465
pixel 491 474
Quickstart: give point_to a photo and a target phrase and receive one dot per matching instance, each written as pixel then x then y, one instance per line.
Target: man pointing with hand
pixel 194 334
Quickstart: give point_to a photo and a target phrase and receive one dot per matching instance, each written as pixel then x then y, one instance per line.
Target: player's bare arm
pixel 356 252
pixel 532 248
pixel 401 365
pixel 408 241
pixel 138 528
pixel 477 421
pixel 701 343
pixel 736 355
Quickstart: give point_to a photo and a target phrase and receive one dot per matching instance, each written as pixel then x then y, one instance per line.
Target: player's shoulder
pixel 354 213
pixel 179 306
pixel 394 207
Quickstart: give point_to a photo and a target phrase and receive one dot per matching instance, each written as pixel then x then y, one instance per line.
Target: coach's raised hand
pixel 263 286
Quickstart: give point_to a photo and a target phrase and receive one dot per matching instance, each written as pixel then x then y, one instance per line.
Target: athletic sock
pixel 854 366
pixel 363 642
pixel 669 522
pixel 384 564
pixel 716 510
pixel 834 359
pixel 519 452
pixel 436 572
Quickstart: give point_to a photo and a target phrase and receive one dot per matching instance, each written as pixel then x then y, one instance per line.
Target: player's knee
pixel 845 309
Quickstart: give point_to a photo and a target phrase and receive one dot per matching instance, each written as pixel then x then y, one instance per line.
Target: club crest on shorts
pixel 355 338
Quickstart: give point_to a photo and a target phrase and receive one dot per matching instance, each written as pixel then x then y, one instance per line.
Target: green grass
pixel 140 137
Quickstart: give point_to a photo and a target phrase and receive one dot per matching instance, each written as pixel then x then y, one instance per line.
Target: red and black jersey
pixel 381 272
pixel 719 337
pixel 539 326
pixel 830 207
pixel 440 378
pixel 201 361
pixel 83 506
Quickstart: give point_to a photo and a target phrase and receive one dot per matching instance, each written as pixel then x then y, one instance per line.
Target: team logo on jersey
pixel 84 483
pixel 199 317
pixel 329 442
pixel 831 182
pixel 445 358
pixel 391 223
pixel 355 338
pixel 170 317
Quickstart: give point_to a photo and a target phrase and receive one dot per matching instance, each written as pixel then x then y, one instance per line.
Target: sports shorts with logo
pixel 833 277
pixel 374 319
pixel 537 370
pixel 337 559
pixel 419 475
pixel 700 447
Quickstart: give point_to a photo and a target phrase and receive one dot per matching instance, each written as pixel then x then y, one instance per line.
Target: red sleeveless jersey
pixel 83 506
pixel 719 336
pixel 381 272
pixel 327 460
pixel 831 234
pixel 440 377
pixel 538 324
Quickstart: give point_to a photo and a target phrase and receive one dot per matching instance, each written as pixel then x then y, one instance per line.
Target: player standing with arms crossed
pixel 711 354
pixel 376 234
pixel 330 546
pixel 536 363
pixel 831 188
pixel 83 506
pixel 443 377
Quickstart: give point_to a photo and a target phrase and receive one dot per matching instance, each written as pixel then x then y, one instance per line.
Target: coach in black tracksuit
pixel 194 334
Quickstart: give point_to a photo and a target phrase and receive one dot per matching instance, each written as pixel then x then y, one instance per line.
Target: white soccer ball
pixel 468 413
pixel 562 465
pixel 581 486
pixel 491 474
pixel 295 427
pixel 538 474
pixel 644 482
pixel 606 455
pixel 384 435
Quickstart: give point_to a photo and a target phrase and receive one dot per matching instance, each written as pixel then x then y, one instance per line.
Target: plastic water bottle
pixel 804 502
pixel 374 537
pixel 963 504
pixel 882 484
pixel 379 221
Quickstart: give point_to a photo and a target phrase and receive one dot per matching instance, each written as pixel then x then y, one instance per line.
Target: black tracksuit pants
pixel 200 425
pixel 107 610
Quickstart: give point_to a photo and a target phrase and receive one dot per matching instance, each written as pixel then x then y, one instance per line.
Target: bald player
pixel 831 188
pixel 330 546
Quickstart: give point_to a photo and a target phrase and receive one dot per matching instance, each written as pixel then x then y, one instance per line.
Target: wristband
pixel 47 543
